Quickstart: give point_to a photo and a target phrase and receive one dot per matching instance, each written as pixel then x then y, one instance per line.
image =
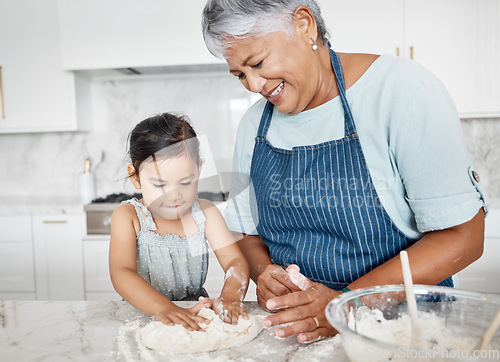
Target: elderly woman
pixel 345 161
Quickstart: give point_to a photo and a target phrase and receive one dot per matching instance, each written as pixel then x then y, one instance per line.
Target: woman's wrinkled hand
pixel 274 281
pixel 304 309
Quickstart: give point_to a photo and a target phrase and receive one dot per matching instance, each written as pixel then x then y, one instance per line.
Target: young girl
pixel 158 251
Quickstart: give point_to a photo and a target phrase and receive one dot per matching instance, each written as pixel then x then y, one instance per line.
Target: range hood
pixel 188 69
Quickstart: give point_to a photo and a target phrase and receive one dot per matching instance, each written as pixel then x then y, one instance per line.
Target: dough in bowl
pixel 218 335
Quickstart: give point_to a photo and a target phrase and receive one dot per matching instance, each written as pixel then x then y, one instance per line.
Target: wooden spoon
pixel 416 337
pixel 489 333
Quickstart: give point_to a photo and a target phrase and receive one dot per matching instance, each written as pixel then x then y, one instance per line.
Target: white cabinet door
pixel 16 258
pixel 58 257
pixel 98 284
pixel 131 33
pixel 364 26
pixel 451 38
pixel 37 95
pixel 457 40
pixel 96 265
pixel 16 266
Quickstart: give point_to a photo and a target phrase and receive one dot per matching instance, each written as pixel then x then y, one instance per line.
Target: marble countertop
pixel 107 331
pixel 40 205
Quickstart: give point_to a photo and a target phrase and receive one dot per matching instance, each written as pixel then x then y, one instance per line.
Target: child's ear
pixel 133 176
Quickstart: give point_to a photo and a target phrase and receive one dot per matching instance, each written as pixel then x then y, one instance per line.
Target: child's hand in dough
pixel 187 317
pixel 229 309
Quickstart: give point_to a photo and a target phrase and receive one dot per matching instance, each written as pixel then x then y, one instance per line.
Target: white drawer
pixel 16 267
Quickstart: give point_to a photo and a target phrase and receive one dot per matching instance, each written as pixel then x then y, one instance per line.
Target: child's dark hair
pixel 163 135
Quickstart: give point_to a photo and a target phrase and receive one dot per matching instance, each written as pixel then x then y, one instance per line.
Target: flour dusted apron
pixel 317 207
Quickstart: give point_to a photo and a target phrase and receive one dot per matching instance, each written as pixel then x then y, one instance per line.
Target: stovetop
pixel 119 197
pixel 111 202
pixel 116 198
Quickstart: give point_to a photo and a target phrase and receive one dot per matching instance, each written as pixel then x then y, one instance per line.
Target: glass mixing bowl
pixel 452 323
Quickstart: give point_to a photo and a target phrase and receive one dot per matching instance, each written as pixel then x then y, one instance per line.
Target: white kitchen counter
pixel 106 331
pixel 36 205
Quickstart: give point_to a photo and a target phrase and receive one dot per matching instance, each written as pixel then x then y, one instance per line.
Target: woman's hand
pixel 305 309
pixel 229 309
pixel 189 318
pixel 274 281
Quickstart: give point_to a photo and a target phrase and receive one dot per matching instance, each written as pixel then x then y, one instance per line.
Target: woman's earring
pixel 314 46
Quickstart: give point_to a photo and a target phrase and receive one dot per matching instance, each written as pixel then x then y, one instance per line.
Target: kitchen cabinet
pixel 457 40
pixel 58 257
pixel 98 284
pixel 482 275
pixel 17 275
pixel 37 94
pixel 131 33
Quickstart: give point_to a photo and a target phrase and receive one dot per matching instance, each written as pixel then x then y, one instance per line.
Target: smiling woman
pixel 274 57
pixel 335 168
pixel 274 69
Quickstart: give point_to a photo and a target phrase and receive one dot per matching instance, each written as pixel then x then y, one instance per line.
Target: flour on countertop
pixel 320 350
pixel 123 339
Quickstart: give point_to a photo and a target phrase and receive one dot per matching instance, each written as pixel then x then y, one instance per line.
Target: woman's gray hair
pixel 241 18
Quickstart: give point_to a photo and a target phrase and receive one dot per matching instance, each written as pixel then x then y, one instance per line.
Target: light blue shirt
pixel 411 137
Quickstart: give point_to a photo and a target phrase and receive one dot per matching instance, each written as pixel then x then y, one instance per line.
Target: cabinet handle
pixel 397 51
pixel 55 221
pixel 411 52
pixel 2 110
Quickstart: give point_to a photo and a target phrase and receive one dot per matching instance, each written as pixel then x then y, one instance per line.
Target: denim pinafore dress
pixel 316 205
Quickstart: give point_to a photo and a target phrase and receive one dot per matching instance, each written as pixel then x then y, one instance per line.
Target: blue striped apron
pixel 316 205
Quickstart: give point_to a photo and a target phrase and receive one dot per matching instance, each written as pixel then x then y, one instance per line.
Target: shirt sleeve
pixel 441 184
pixel 238 213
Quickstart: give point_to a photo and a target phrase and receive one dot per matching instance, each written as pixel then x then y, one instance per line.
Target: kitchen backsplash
pixel 482 137
pixel 46 165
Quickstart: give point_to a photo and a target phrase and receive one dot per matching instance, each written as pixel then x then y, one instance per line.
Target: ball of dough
pixel 218 335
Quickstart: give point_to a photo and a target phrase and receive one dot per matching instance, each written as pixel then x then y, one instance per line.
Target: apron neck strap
pixel 265 120
pixel 349 127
